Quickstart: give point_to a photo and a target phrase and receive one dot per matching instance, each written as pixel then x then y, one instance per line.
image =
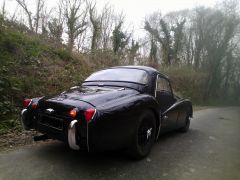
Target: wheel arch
pixel 157 116
pixel 189 109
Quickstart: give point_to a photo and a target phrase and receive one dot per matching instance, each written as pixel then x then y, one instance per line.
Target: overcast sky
pixel 135 10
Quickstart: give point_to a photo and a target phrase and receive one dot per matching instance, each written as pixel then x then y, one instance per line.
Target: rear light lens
pixel 89 114
pixel 34 105
pixel 73 113
pixel 26 102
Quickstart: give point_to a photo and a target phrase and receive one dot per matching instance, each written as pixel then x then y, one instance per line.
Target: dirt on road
pixel 17 138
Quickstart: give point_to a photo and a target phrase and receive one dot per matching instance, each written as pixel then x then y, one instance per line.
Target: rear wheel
pixel 187 125
pixel 144 136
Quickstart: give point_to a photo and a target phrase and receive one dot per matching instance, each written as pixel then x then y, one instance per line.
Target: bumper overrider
pixel 69 134
pixel 26 123
pixel 72 135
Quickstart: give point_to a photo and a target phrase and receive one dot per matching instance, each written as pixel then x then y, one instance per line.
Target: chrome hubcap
pixel 149 133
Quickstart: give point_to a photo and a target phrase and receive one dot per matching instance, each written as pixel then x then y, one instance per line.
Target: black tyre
pixel 187 125
pixel 144 136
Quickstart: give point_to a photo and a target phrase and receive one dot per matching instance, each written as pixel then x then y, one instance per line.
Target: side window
pixel 163 85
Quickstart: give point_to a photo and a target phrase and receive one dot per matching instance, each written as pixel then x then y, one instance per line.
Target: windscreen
pixel 121 74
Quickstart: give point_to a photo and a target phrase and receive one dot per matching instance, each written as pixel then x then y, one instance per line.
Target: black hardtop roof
pixel 145 68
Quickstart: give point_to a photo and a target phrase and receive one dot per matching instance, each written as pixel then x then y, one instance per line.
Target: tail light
pixel 89 114
pixel 73 113
pixel 34 105
pixel 26 102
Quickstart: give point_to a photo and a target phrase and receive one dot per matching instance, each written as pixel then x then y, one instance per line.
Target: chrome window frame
pixel 156 85
pixel 169 84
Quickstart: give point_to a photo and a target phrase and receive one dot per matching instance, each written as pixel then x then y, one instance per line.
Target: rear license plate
pixel 52 122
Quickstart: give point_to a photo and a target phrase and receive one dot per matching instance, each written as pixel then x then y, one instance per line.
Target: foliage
pixel 187 82
pixel 11 122
pixel 56 30
pixel 133 51
pixel 204 38
pixel 75 20
pixel 63 54
pixel 198 48
pixel 30 67
pixel 119 38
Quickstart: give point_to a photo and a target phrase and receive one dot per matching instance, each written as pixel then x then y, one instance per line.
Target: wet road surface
pixel 210 150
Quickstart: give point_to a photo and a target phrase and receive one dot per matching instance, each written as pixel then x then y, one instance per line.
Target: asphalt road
pixel 210 150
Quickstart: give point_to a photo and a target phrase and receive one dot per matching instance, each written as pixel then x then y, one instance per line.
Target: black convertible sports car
pixel 121 107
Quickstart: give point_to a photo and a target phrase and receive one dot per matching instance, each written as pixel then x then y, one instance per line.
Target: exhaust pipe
pixel 41 137
pixel 72 135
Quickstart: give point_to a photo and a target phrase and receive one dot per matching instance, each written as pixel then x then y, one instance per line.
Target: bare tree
pixel 189 46
pixel 107 26
pixel 3 10
pixel 151 23
pixel 168 33
pixel 82 43
pixel 23 4
pixel 33 19
pixel 177 39
pixel 199 29
pixel 133 51
pixel 75 20
pixel 96 22
pixel 164 40
pixel 55 26
pixel 13 16
pixel 2 14
pixel 55 30
pixel 40 5
pixel 119 38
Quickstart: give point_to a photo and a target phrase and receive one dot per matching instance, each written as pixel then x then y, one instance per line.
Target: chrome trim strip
pixel 49 126
pixel 160 120
pixel 74 87
pixel 72 135
pixel 29 103
pixel 156 86
pixel 159 127
pixel 94 114
pixel 174 105
pixel 87 128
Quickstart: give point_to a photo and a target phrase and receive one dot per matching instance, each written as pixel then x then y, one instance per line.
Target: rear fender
pixel 120 120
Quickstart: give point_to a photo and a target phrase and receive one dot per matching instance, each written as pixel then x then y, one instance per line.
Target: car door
pixel 165 98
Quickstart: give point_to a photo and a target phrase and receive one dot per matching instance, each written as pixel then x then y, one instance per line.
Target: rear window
pixel 121 74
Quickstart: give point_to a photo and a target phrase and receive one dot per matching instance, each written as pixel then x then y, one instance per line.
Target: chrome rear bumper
pixel 71 136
